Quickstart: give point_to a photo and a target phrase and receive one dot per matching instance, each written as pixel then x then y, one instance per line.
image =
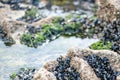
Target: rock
pixel 86 72
pixel 80 64
pixel 10 26
pixel 13 29
pixel 43 74
pixel 50 65
pixel 113 57
pixel 43 21
pixel 108 9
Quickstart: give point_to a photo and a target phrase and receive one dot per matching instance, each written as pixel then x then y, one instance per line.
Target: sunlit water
pixel 17 56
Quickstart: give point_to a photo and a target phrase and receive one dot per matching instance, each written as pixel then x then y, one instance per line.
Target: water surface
pixel 17 56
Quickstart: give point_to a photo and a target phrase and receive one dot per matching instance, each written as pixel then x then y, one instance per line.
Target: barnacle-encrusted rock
pixel 109 9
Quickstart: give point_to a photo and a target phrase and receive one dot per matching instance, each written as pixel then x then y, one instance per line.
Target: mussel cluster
pixel 101 67
pixel 24 74
pixel 14 4
pixel 91 1
pixel 79 27
pixel 75 26
pixel 112 34
pixel 64 71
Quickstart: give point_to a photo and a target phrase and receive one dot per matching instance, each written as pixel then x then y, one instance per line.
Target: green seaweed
pixel 27 39
pixel 101 46
pixel 39 39
pixel 72 15
pixel 31 13
pixel 69 16
pixel 57 19
pixel 49 32
pixel 53 30
pixel 13 76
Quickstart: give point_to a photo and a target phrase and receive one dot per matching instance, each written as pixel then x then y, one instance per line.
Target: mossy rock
pixel 101 46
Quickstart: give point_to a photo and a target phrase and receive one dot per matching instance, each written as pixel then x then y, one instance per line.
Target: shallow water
pixel 17 56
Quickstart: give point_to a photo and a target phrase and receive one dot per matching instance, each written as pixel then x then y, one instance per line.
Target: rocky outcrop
pixel 77 61
pixel 112 56
pixel 13 29
pixel 109 9
pixel 10 26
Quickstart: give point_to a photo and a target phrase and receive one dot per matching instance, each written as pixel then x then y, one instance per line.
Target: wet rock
pixel 43 74
pixel 109 9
